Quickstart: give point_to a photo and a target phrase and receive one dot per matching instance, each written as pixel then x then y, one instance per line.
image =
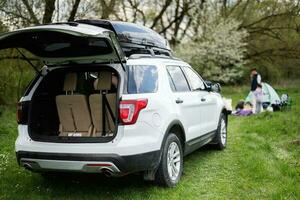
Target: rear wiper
pixel 30 63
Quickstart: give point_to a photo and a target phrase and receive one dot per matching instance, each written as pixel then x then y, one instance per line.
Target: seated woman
pixel 243 109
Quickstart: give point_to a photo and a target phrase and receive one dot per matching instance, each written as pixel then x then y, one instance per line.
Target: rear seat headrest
pixel 70 82
pixel 114 81
pixel 104 81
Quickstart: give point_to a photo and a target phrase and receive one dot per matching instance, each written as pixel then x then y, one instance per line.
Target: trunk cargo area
pixel 75 105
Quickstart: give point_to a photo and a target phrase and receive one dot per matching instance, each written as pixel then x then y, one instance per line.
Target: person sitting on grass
pixel 243 109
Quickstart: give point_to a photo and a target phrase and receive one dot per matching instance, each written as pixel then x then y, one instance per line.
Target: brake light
pixel 129 110
pixel 22 112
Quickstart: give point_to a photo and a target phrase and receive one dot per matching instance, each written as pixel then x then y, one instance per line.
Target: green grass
pixel 262 161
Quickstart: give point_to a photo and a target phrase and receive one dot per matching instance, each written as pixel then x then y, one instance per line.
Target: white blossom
pixel 217 52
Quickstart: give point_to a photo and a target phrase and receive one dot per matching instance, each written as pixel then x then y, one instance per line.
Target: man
pixel 255 79
pixel 255 82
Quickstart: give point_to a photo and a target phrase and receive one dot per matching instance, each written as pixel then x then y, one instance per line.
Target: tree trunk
pixel 30 11
pixel 160 14
pixel 74 11
pixel 107 9
pixel 49 9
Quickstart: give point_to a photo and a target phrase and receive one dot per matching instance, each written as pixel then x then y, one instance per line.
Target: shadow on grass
pixel 90 186
pixel 74 184
pixel 88 180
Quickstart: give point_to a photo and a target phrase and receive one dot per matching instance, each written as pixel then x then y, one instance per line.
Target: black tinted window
pixel 178 79
pixel 142 79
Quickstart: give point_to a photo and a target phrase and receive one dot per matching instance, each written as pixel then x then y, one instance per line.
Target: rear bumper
pixel 93 163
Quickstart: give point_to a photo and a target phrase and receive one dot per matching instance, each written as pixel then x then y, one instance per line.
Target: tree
pixel 74 10
pixel 169 18
pixel 218 51
pixel 273 25
pixel 273 28
pixel 107 8
pixel 29 12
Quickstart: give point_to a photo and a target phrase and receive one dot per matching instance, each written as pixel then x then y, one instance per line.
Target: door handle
pixel 179 101
pixel 203 99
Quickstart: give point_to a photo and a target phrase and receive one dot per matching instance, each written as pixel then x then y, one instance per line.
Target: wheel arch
pixel 225 112
pixel 175 127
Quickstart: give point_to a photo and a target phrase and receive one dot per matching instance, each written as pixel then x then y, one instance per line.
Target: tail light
pixel 22 112
pixel 129 110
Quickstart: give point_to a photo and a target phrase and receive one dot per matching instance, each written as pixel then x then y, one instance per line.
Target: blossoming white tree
pixel 217 51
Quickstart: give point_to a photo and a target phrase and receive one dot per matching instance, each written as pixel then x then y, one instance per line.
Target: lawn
pixel 262 161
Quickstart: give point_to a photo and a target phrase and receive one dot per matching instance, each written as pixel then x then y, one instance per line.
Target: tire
pixel 169 172
pixel 221 133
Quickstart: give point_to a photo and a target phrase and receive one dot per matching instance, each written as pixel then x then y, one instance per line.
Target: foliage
pixel 218 51
pixel 211 35
pixel 273 42
pixel 14 77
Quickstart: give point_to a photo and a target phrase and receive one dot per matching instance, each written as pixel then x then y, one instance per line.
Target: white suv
pixel 112 99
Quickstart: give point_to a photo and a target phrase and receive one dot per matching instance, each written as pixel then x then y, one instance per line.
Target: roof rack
pixel 133 38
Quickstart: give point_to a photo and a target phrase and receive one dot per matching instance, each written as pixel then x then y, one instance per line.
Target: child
pixel 243 109
pixel 258 97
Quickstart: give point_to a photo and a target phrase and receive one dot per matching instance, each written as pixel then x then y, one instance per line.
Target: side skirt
pixel 198 142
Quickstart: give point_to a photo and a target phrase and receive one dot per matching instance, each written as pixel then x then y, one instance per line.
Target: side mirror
pixel 213 87
pixel 216 88
pixel 209 85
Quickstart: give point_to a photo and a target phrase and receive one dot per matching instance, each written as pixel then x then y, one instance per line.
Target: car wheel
pixel 171 165
pixel 221 134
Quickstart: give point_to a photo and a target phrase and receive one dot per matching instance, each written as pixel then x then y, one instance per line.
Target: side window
pixel 178 79
pixel 171 82
pixel 142 79
pixel 194 80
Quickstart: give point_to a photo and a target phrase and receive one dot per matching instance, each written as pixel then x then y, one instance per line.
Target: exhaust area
pixel 27 166
pixel 30 165
pixel 107 172
pixel 107 168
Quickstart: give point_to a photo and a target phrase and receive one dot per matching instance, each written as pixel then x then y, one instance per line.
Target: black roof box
pixel 133 38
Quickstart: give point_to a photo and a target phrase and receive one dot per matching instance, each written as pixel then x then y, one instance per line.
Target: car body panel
pixel 147 134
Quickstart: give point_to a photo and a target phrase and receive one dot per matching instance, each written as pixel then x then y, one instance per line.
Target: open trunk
pixel 75 104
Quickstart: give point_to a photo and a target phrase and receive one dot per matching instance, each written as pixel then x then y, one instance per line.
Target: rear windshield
pixel 142 79
pixel 51 44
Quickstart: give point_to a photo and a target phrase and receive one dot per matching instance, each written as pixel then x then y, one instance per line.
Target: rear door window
pixel 142 79
pixel 178 79
pixel 194 79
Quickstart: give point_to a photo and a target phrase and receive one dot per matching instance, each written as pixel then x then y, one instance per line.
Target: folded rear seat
pixel 73 110
pixel 103 106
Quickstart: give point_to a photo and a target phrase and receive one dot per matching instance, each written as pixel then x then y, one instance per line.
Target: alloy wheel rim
pixel 173 161
pixel 223 132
